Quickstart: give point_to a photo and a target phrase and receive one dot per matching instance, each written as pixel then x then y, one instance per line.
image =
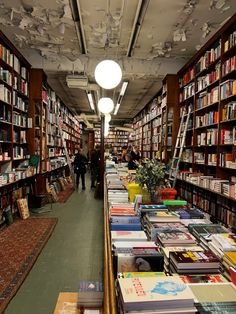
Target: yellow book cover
pixel 231 256
pixel 142 274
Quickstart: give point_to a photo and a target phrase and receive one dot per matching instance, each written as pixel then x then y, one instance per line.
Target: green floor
pixel 73 253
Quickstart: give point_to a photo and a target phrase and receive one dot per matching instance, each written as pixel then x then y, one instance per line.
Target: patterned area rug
pixel 64 195
pixel 20 245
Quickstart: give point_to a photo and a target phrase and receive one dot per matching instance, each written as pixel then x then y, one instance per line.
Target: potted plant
pixel 151 174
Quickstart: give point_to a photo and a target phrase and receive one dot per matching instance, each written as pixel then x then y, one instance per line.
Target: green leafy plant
pixel 151 175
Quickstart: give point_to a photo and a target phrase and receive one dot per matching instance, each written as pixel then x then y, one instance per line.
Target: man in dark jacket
pixel 95 159
pixel 80 168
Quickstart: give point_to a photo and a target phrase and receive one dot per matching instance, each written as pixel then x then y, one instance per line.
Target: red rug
pixel 64 195
pixel 20 245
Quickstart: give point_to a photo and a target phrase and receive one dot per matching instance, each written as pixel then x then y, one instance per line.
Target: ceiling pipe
pixel 139 17
pixel 76 15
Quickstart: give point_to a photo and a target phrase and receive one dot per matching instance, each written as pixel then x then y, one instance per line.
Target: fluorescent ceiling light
pixel 117 108
pixel 123 88
pixel 90 98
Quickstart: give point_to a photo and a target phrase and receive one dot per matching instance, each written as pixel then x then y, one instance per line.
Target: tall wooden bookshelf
pixel 50 119
pixel 14 123
pixel 207 83
pixel 156 126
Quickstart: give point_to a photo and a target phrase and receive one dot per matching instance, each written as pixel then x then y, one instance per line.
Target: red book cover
pixel 194 257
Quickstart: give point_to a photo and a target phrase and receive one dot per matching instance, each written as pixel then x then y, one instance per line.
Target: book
pixel 219 292
pixel 125 220
pixel 141 274
pixel 128 236
pixel 201 278
pixel 152 293
pixel 23 208
pixel 190 261
pixel 150 261
pixel 175 237
pixel 129 226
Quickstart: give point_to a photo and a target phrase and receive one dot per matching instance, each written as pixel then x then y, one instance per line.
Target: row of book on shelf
pixel 168 257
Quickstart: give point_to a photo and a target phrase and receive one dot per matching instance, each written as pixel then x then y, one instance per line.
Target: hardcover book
pixel 128 236
pixel 193 260
pixel 154 292
pixel 202 278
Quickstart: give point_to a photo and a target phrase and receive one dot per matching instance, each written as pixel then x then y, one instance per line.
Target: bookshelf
pixel 15 172
pixel 207 83
pixel 156 126
pixel 49 115
pixel 114 141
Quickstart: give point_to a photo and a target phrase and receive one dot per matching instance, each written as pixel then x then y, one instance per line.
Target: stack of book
pixel 175 237
pixel 155 295
pixel 191 262
pixel 117 236
pixel 229 261
pixel 139 260
pixel 221 243
pixel 162 216
pixel 90 294
pixel 119 196
pixel 214 298
pixel 153 229
pixel 204 233
pixel 125 223
pixel 122 209
pixel 203 278
pixel 166 251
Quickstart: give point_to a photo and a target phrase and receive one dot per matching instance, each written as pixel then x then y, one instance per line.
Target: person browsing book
pixel 80 168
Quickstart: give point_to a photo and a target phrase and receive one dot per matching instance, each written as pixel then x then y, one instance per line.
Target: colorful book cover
pixel 132 227
pixel 201 278
pixel 149 293
pixel 142 263
pixel 175 236
pixel 167 250
pixel 190 258
pixel 141 274
pixel 125 220
pixel 231 256
pixel 128 235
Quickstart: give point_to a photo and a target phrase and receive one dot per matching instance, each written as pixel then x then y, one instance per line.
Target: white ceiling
pixel 171 31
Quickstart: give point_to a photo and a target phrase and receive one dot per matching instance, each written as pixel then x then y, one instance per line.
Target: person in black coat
pixel 80 168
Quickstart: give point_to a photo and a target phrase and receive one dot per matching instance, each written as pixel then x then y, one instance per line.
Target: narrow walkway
pixel 73 253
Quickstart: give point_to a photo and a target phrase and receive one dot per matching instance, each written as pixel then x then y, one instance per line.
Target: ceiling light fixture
pixel 105 105
pixel 107 118
pixel 123 88
pixel 90 99
pixel 117 108
pixel 122 92
pixel 108 74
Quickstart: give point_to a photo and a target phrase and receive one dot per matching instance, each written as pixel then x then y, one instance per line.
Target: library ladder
pixel 66 153
pixel 180 141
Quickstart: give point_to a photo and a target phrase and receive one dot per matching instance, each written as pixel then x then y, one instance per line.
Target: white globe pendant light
pixel 108 74
pixel 105 105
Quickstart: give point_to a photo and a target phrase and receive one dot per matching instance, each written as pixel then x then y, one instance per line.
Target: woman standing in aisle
pixel 135 154
pixel 80 168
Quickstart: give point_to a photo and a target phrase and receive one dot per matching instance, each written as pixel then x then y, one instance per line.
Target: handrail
pixel 110 306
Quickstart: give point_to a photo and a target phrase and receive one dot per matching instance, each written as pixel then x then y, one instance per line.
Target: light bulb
pixel 108 74
pixel 105 105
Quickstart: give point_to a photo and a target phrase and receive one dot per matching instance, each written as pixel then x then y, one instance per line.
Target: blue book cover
pixel 124 227
pixel 125 219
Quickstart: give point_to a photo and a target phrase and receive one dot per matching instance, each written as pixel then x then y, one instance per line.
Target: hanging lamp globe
pixel 105 105
pixel 108 74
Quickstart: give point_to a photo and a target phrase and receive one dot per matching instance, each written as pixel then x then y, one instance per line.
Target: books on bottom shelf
pixel 128 236
pixel 194 262
pixel 90 294
pixel 155 294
